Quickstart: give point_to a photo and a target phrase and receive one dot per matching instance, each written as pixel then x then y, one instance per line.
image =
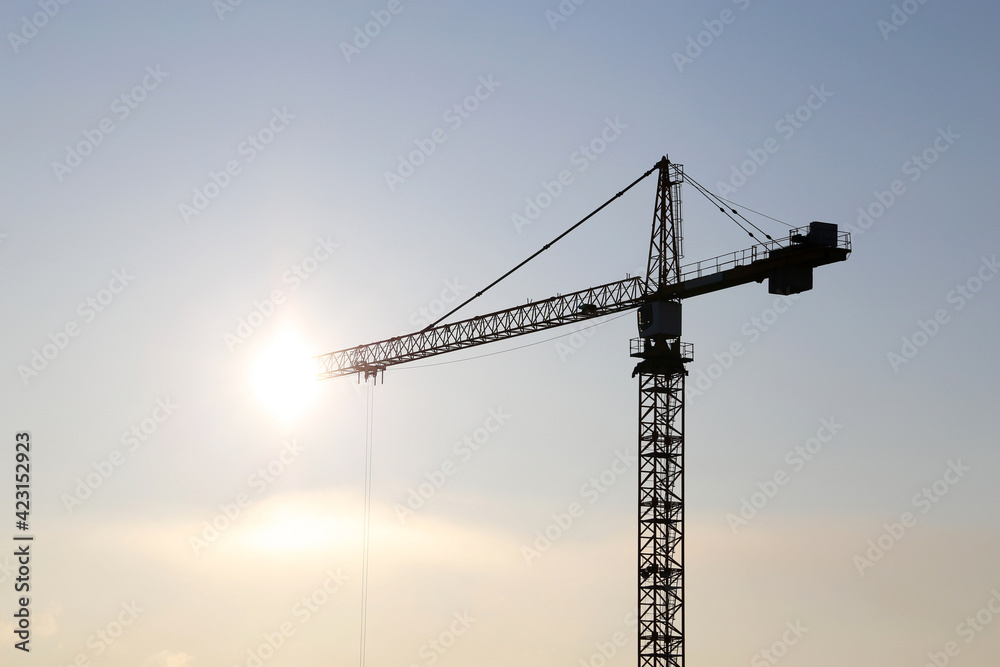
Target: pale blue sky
pixel 338 127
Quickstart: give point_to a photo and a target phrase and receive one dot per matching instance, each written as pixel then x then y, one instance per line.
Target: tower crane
pixel 786 264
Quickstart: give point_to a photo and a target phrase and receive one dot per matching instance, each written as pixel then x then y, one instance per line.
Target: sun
pixel 283 377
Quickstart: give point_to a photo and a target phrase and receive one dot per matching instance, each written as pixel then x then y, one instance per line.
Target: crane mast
pixel 661 436
pixel 786 264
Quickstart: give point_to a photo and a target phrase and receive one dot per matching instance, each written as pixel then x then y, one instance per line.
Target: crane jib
pixel 787 264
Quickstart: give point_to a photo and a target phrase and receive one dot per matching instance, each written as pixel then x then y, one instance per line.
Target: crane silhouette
pixel 787 264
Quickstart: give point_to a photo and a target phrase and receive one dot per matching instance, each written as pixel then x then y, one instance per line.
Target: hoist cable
pixel 366 536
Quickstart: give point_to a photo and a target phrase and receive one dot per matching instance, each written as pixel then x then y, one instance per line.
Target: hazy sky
pixel 194 189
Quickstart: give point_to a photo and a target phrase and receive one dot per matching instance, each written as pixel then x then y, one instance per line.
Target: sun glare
pixel 299 529
pixel 284 377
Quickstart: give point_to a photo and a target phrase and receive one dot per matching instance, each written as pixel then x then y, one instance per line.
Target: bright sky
pixel 199 195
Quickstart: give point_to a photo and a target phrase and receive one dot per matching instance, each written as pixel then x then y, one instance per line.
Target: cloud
pixel 43 624
pixel 168 659
pixel 46 624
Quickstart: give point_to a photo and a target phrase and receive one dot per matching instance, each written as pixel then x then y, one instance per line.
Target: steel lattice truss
pixel 661 443
pixel 556 311
pixel 661 519
pixel 665 250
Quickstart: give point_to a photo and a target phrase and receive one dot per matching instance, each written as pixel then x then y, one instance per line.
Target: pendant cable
pixel 366 537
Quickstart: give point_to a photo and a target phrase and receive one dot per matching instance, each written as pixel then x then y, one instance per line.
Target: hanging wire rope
pixel 763 215
pixel 539 252
pixel 719 200
pixel 712 199
pixel 369 410
pixel 366 533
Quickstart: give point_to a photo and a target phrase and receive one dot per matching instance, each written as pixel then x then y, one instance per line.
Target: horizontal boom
pixel 786 263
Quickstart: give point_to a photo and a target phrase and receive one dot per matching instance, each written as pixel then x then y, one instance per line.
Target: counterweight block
pixel 795 277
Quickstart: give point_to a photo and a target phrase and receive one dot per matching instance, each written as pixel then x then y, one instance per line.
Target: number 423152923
pixel 22 479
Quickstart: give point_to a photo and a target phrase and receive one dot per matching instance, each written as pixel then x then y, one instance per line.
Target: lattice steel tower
pixel 661 436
